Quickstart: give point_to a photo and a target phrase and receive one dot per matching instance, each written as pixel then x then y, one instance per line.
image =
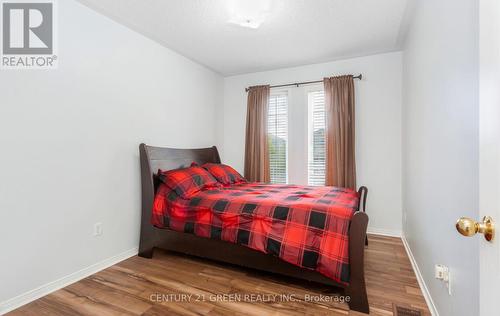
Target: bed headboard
pixel 154 158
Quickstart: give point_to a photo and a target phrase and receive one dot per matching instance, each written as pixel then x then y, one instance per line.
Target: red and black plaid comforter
pixel 305 226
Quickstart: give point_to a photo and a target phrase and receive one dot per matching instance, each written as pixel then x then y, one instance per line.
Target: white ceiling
pixel 294 32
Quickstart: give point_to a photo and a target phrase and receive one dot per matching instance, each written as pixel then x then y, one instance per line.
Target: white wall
pixel 378 125
pixel 440 160
pixel 70 138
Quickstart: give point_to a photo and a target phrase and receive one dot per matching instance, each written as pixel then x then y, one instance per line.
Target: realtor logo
pixel 28 40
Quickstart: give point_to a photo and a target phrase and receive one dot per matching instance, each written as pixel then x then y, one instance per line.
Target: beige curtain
pixel 256 149
pixel 340 150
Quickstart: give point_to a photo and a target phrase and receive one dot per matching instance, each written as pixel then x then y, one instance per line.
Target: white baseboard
pixel 50 287
pixel 420 279
pixel 384 232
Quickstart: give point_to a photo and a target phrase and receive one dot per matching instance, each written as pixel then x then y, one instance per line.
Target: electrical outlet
pixel 97 229
pixel 442 272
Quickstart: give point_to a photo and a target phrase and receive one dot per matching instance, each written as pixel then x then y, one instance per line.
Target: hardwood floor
pixel 173 284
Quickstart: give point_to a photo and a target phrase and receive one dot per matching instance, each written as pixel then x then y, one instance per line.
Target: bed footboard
pixel 357 287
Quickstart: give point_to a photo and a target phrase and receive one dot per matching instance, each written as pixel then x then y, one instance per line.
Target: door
pixel 489 152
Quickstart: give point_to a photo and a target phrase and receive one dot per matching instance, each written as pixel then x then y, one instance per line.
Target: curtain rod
pixel 360 76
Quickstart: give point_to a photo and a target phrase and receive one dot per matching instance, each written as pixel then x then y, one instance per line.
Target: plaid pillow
pixel 224 173
pixel 187 181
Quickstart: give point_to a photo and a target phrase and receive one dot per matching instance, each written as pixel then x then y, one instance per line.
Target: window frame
pixel 276 92
pixel 309 147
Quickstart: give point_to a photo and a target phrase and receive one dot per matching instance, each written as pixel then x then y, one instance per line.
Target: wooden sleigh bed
pixel 154 158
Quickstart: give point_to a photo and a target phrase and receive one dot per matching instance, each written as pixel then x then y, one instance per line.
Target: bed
pixel 171 236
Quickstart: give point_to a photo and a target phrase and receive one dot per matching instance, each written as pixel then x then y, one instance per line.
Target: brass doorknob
pixel 469 227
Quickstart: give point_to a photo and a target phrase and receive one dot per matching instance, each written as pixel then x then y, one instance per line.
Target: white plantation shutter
pixel 317 141
pixel 277 127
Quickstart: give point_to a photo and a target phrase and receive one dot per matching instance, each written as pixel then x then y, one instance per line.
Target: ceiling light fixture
pixel 248 13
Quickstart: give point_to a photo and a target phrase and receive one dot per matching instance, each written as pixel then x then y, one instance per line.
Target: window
pixel 317 141
pixel 297 126
pixel 277 127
